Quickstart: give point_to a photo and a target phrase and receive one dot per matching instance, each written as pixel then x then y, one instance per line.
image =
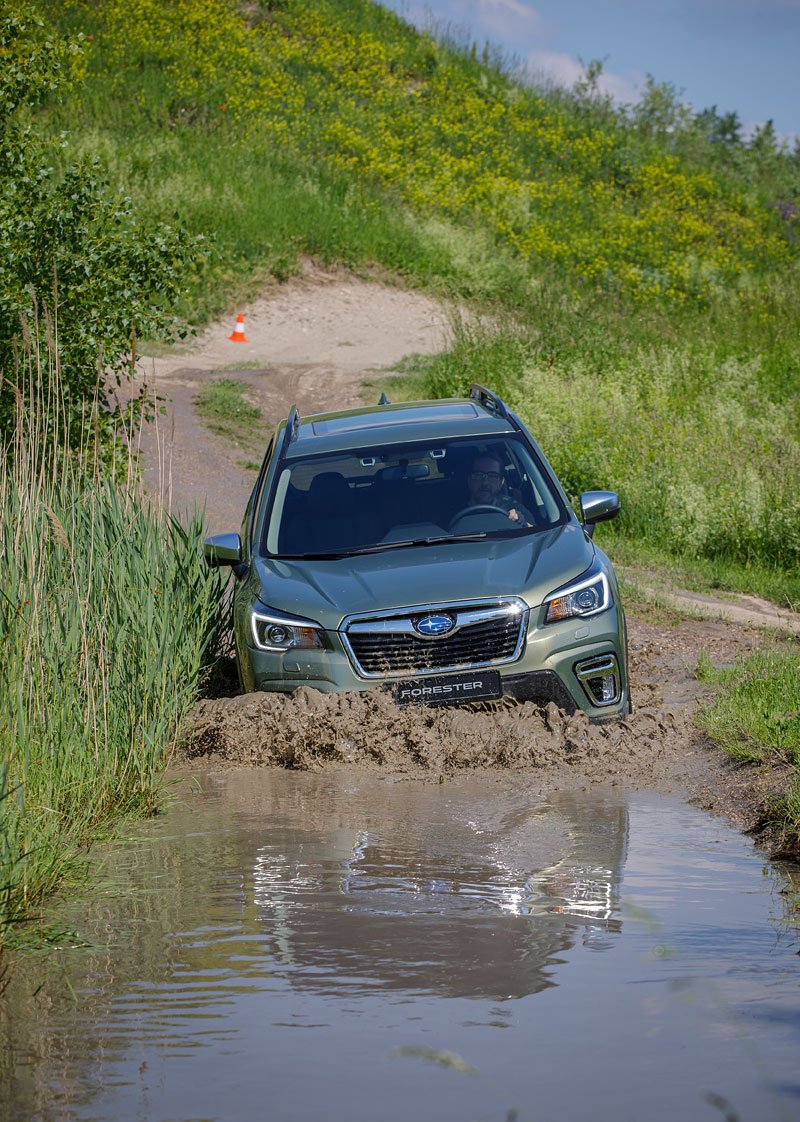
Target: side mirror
pixel 224 549
pixel 598 506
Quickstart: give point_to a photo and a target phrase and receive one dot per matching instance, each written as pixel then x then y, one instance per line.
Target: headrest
pixel 329 489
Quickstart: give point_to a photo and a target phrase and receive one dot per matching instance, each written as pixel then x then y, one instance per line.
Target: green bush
pixel 754 716
pixel 73 254
pixel 705 463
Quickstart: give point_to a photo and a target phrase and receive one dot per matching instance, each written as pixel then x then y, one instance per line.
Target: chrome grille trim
pixel 489 632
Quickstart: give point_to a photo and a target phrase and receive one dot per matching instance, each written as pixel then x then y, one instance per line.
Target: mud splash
pixel 658 746
pixel 308 729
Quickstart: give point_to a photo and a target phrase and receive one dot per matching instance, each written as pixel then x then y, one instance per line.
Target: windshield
pixel 373 499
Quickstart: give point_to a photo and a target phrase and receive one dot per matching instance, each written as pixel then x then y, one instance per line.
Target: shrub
pixel 705 463
pixel 67 239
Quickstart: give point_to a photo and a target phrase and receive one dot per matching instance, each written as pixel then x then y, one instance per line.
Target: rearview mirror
pixel 598 506
pixel 223 549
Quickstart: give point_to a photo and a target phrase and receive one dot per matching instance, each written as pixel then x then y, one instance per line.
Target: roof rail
pixel 489 401
pixel 384 400
pixel 290 432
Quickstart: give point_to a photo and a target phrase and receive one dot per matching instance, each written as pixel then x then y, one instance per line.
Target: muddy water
pixel 339 946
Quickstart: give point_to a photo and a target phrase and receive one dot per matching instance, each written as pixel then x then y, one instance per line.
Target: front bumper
pixel 548 667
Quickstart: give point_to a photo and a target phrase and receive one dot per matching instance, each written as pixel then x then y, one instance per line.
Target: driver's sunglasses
pixel 488 476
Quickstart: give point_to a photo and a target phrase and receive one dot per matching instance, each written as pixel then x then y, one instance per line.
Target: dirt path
pixel 315 342
pixel 312 343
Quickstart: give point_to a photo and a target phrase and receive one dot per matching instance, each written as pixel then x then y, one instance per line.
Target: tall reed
pixel 107 617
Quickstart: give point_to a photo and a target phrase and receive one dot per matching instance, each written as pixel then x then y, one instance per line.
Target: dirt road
pixel 315 342
pixel 312 343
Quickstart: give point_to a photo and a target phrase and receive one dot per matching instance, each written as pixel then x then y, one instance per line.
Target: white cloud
pixel 499 21
pixel 508 14
pixel 510 22
pixel 561 68
pixel 566 70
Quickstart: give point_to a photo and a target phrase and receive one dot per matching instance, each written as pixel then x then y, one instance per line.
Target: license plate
pixel 450 689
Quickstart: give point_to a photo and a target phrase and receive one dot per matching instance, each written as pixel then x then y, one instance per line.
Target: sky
pixel 741 55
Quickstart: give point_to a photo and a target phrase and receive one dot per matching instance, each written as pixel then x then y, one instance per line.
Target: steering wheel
pixel 479 508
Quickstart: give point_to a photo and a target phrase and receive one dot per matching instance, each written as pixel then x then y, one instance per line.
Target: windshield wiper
pixel 442 539
pixel 379 547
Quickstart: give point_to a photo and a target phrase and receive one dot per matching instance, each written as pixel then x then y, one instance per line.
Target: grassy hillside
pixel 347 86
pixel 647 262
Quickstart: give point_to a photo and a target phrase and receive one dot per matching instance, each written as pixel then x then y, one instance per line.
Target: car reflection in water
pixel 455 913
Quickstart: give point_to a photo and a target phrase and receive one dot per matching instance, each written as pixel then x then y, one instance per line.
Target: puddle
pixel 332 946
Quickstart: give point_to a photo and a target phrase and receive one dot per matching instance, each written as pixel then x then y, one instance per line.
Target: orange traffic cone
pixel 238 331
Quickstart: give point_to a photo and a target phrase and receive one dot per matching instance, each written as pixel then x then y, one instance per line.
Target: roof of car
pixel 394 424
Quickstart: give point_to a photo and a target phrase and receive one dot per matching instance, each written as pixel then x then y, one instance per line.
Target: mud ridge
pixel 309 729
pixel 658 746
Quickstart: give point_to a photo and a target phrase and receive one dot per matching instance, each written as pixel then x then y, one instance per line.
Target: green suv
pixel 426 548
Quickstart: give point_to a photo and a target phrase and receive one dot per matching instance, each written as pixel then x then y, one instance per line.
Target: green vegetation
pixel 707 467
pixel 73 254
pixel 642 266
pixel 773 726
pixel 755 717
pixel 224 407
pixel 107 610
pixel 107 617
pixel 348 86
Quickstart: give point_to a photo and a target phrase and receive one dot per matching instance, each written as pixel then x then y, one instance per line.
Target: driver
pixel 486 487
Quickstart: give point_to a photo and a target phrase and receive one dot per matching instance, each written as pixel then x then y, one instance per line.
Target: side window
pixel 534 490
pixel 256 494
pixel 542 495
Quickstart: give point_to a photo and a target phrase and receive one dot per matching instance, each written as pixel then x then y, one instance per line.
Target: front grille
pixel 484 635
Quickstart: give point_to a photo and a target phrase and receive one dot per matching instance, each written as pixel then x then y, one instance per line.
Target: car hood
pixel 530 566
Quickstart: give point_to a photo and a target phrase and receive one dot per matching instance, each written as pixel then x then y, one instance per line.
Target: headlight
pixel 274 631
pixel 586 596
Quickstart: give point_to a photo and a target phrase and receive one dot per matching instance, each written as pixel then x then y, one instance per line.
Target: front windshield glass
pixel 378 498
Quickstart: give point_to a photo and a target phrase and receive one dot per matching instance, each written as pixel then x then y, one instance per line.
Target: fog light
pixel 604 689
pixel 600 679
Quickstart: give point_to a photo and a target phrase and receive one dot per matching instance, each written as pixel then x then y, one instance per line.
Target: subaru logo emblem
pixel 433 626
